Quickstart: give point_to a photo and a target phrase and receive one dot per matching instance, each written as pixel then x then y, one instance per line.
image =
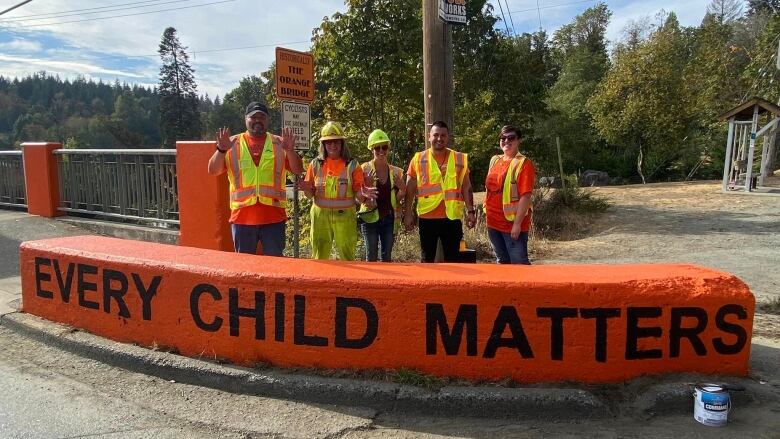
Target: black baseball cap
pixel 254 107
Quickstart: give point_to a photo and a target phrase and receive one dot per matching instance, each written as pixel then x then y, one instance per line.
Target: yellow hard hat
pixel 377 137
pixel 331 131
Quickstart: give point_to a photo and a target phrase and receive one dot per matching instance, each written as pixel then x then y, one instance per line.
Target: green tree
pixel 580 50
pixel 179 114
pixel 641 103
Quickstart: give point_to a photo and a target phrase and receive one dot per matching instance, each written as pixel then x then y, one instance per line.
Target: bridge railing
pixel 12 190
pixel 120 184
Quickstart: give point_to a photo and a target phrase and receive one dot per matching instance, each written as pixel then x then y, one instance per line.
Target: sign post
pixel 295 88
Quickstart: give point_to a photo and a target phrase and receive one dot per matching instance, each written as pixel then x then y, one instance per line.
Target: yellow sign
pixel 294 75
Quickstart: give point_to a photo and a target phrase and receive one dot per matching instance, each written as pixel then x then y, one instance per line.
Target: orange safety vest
pixel 250 183
pixel 343 197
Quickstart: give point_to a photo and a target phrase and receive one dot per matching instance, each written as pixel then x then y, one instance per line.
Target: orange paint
pixel 545 319
pixel 41 179
pixel 203 199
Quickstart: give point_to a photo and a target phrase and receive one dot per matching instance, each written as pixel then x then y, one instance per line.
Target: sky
pixel 226 39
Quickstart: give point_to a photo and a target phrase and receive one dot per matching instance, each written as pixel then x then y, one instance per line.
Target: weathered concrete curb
pixel 644 397
pixel 125 231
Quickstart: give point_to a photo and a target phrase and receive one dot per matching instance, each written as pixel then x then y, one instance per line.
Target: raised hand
pixel 288 139
pixel 223 139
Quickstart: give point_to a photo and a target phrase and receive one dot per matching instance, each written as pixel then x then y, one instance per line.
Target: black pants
pixel 449 231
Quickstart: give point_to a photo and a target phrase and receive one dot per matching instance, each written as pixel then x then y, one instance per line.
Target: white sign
pixel 453 11
pixel 297 118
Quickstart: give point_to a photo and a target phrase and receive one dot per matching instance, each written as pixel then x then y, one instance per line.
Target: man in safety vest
pixel 439 178
pixel 257 163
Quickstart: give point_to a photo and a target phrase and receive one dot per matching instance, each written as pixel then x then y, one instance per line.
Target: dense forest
pixel 644 107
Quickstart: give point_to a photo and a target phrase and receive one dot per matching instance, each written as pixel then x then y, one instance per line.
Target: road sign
pixel 452 11
pixel 294 75
pixel 297 118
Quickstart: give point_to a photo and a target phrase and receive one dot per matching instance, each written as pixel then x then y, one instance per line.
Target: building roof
pixel 744 111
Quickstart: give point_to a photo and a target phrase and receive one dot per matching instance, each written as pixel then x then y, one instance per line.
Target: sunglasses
pixel 382 147
pixel 507 138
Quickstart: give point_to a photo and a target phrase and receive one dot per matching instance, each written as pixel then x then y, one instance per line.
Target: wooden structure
pixel 742 152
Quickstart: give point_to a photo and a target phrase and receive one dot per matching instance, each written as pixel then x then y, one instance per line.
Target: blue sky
pixel 226 39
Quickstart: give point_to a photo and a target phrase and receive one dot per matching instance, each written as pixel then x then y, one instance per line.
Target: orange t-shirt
pixel 494 188
pixel 334 167
pixel 440 211
pixel 258 214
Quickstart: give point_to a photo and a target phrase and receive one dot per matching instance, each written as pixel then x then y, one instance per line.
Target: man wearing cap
pixel 257 163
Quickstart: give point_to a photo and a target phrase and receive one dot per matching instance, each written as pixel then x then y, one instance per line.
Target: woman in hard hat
pixel 380 219
pixel 335 181
pixel 508 187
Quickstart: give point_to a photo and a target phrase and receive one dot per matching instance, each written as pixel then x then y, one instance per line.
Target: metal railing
pixel 125 184
pixel 12 191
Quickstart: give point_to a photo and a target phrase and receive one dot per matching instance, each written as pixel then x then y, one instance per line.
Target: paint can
pixel 711 405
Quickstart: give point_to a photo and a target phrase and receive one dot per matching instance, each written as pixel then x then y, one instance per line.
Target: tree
pixel 641 102
pixel 179 114
pixel 725 11
pixel 580 50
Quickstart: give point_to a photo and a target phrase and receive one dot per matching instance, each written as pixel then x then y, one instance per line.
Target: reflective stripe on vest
pixel 511 194
pixel 254 183
pixel 344 198
pixel 431 190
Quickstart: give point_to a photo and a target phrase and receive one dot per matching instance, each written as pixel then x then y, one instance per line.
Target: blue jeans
pixel 374 234
pixel 245 238
pixel 509 251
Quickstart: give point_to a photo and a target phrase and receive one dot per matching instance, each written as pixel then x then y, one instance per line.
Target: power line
pixel 514 31
pixel 503 18
pixel 113 8
pixel 15 6
pixel 554 6
pixel 124 15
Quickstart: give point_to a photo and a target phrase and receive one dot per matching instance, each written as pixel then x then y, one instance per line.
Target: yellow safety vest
pixel 330 196
pixel 511 195
pixel 371 214
pixel 250 183
pixel 430 188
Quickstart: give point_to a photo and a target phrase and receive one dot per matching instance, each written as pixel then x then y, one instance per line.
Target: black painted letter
pixel 436 319
pixel 677 332
pixel 507 317
pixel 730 328
pixel 117 294
pixel 41 276
pixel 372 323
pixel 146 293
pixel 257 313
pixel 195 310
pixel 601 315
pixel 299 325
pixel 634 333
pixel 83 286
pixel 556 316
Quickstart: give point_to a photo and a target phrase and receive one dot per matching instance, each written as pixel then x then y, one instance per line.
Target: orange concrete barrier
pixel 544 323
pixel 203 199
pixel 41 178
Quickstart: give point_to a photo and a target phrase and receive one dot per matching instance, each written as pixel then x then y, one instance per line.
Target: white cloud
pixel 238 23
pixel 17 45
pixel 63 66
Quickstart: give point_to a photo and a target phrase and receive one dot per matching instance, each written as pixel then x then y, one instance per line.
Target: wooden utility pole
pixel 437 68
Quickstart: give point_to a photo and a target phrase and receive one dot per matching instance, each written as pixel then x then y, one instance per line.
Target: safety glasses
pixel 508 138
pixel 384 147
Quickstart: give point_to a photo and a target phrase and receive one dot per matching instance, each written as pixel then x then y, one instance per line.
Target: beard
pixel 256 129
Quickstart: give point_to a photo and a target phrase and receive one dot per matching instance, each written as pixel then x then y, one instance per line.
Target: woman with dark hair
pixel 335 181
pixel 508 187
